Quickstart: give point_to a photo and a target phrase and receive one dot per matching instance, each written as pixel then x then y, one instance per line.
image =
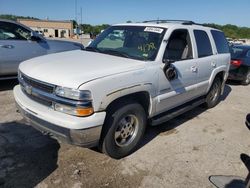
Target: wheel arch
pixel 142 97
pixel 220 73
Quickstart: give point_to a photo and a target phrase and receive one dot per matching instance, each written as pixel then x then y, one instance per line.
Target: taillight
pixel 236 63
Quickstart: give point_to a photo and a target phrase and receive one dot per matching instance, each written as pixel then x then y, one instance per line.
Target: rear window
pixel 220 42
pixel 237 52
pixel 204 47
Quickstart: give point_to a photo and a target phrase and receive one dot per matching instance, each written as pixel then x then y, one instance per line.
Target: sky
pixel 95 12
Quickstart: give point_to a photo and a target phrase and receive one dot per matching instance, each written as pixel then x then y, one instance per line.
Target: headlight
pixel 74 94
pixel 81 106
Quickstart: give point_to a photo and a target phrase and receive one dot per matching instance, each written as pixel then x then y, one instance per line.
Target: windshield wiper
pixel 117 53
pixel 92 49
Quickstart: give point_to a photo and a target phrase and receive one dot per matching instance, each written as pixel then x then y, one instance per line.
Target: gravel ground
pixel 183 152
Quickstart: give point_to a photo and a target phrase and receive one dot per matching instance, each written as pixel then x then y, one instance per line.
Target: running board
pixel 166 116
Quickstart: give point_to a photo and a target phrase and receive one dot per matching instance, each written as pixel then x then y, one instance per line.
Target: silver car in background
pixel 19 43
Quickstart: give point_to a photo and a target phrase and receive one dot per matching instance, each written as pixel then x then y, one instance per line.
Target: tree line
pixel 231 31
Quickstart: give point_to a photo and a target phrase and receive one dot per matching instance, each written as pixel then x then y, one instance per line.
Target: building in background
pixel 50 28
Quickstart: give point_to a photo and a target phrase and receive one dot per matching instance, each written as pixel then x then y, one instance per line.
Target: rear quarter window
pixel 204 47
pixel 220 42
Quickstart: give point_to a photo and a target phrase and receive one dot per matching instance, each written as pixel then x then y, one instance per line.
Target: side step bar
pixel 166 116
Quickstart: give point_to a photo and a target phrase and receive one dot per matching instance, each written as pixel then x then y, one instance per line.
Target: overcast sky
pixel 116 11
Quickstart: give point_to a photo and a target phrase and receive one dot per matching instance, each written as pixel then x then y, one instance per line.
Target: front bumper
pixel 82 131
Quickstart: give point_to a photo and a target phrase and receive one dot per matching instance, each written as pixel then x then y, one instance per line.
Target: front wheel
pixel 213 96
pixel 123 129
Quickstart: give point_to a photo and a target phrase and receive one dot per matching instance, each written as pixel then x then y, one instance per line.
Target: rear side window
pixel 220 42
pixel 204 47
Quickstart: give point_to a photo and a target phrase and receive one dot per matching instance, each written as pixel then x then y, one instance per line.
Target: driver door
pixel 16 46
pixel 182 88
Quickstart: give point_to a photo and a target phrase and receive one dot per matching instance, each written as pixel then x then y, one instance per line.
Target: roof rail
pixel 184 22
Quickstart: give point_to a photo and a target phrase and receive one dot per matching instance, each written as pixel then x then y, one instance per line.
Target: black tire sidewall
pixel 212 103
pixel 246 81
pixel 109 146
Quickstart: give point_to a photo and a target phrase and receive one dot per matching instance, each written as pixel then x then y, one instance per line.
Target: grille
pixel 38 85
pixel 38 99
pixel 27 83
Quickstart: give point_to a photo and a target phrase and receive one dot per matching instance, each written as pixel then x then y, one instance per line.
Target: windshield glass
pixel 136 42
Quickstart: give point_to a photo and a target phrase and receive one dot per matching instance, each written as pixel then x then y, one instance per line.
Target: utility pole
pixel 76 18
pixel 81 26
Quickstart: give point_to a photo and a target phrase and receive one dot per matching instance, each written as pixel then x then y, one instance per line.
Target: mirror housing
pixel 170 71
pixel 36 37
pixel 167 62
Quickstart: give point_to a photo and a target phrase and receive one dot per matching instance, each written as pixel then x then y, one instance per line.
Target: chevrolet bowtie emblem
pixel 28 89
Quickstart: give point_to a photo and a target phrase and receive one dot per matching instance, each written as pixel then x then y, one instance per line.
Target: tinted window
pixel 203 43
pixel 220 42
pixel 238 52
pixel 179 46
pixel 10 31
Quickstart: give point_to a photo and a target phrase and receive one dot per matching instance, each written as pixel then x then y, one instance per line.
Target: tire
pixel 246 81
pixel 213 96
pixel 123 129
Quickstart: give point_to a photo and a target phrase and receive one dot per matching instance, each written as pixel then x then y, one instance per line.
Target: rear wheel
pixel 213 96
pixel 246 81
pixel 123 129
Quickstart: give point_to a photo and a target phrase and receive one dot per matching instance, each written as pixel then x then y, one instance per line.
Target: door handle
pixel 213 64
pixel 194 69
pixel 7 46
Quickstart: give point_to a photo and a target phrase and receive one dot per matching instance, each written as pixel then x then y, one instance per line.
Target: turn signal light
pixel 84 111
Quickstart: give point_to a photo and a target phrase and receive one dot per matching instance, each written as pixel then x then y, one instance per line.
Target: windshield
pixel 136 42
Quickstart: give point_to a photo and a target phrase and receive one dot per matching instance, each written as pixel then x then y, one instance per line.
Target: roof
pixel 168 24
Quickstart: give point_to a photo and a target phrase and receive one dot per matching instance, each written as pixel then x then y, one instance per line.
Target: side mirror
pixel 35 37
pixel 169 71
pixel 168 61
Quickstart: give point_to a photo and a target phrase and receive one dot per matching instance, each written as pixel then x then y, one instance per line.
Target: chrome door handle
pixel 194 69
pixel 7 46
pixel 213 64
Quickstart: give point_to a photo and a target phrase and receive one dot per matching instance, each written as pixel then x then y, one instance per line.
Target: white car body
pixel 109 78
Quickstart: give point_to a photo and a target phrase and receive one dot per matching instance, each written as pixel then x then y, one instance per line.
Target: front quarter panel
pixel 107 89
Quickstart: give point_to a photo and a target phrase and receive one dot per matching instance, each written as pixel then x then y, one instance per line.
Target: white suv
pixel 106 95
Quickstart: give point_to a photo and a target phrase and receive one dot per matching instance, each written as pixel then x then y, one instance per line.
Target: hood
pixel 61 45
pixel 73 68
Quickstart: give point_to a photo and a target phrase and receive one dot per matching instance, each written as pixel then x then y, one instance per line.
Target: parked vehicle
pixel 248 121
pixel 105 96
pixel 240 64
pixel 228 181
pixel 19 43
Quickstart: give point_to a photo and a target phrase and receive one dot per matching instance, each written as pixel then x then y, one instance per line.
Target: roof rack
pixel 184 22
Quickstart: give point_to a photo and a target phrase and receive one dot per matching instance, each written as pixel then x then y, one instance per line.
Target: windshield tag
pixel 153 29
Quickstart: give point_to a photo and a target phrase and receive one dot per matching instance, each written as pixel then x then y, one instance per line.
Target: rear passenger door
pixel 206 61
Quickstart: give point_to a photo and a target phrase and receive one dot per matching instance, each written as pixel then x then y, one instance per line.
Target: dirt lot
pixel 181 153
